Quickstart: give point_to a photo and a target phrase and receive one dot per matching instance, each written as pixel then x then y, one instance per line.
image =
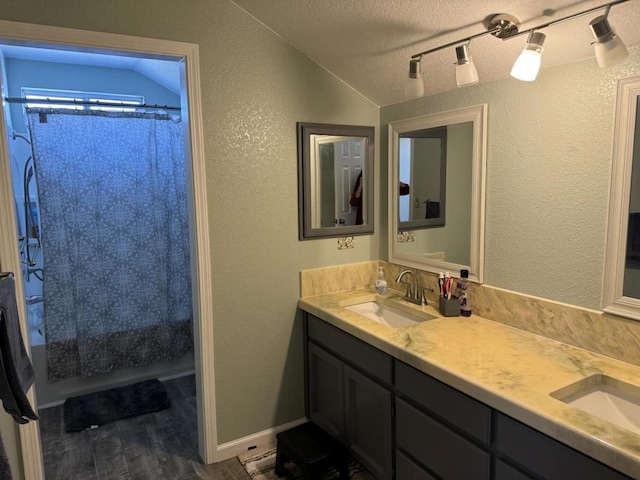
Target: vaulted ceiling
pixel 368 43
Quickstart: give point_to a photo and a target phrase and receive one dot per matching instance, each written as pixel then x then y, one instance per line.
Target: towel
pixel 16 372
pixel 433 209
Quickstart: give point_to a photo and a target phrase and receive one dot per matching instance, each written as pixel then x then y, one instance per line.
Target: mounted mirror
pixel 621 291
pixel 454 178
pixel 335 180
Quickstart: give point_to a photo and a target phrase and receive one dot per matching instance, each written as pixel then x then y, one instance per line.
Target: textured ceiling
pixel 368 43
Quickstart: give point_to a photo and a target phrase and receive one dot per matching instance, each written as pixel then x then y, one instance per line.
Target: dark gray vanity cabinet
pixel 403 424
pixel 349 395
pixel 543 456
pixel 437 426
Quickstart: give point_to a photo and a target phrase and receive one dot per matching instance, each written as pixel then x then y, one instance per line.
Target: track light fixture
pixel 608 47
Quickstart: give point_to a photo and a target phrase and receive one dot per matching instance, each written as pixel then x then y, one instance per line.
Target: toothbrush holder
pixel 450 307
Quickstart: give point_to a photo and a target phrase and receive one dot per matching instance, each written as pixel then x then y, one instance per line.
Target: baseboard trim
pixel 256 440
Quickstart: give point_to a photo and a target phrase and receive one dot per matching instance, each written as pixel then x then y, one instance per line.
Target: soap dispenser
pixel 381 283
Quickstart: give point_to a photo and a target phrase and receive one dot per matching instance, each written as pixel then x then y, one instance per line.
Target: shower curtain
pixel 115 239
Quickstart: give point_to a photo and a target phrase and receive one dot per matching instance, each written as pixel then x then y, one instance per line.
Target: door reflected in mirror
pixel 335 184
pixel 422 159
pixel 437 166
pixel 339 164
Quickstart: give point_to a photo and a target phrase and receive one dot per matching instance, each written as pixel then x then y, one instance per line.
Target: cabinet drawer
pixel 406 469
pixel 362 355
pixel 545 456
pixel 445 402
pixel 505 472
pixel 443 451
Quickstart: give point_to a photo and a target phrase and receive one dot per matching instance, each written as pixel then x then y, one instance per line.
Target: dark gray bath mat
pixel 95 409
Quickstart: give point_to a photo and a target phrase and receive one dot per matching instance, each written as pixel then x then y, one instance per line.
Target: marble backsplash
pixel 592 330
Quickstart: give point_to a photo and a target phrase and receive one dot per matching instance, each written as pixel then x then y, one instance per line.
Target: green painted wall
pixel 255 87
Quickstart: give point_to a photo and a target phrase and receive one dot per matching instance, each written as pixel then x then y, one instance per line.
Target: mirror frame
pixel 478 116
pixel 306 230
pixel 613 299
pixel 439 221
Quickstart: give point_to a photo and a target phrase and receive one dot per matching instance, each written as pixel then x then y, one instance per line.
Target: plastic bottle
pixel 381 283
pixel 463 293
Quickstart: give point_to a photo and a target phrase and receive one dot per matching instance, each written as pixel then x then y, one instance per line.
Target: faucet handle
pixel 423 297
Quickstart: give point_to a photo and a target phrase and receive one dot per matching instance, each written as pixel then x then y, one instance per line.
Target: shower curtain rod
pixel 87 102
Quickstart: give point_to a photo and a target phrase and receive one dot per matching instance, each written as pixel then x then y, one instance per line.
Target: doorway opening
pixel 180 57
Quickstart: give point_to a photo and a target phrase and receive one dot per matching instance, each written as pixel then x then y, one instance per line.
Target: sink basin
pixel 605 397
pixel 387 315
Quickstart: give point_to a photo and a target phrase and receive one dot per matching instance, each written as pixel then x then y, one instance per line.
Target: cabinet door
pixel 326 391
pixel 369 420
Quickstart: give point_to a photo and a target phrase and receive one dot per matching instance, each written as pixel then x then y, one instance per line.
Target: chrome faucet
pixel 413 294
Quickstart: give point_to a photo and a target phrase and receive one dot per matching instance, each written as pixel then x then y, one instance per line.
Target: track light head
pixel 466 73
pixel 608 47
pixel 527 65
pixel 414 86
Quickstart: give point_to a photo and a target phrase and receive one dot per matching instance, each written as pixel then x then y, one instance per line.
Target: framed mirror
pixel 457 182
pixel 422 173
pixel 335 180
pixel 621 285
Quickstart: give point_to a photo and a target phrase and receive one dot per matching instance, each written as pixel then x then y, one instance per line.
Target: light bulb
pixel 527 65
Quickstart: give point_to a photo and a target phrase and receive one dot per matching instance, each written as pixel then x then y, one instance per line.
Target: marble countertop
pixel 508 369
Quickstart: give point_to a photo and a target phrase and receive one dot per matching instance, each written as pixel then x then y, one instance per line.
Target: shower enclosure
pixel 107 274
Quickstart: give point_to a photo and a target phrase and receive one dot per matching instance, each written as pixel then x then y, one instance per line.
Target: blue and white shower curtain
pixel 115 239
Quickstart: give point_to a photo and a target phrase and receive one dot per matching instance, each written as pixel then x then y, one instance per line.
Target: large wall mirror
pixel 448 171
pixel 621 286
pixel 335 180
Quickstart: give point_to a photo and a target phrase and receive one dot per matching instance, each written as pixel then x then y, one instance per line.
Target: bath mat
pixel 100 408
pixel 260 465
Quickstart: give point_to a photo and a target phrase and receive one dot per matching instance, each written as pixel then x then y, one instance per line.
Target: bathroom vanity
pixel 456 398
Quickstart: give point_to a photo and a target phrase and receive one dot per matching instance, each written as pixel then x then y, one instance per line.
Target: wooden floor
pixel 161 445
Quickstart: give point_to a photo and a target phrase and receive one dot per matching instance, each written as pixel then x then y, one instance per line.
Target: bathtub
pixel 51 394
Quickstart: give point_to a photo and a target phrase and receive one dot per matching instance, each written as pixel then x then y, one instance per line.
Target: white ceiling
pixel 368 43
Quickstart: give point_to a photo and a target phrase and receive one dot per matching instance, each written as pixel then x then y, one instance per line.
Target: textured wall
pixel 548 168
pixel 255 87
